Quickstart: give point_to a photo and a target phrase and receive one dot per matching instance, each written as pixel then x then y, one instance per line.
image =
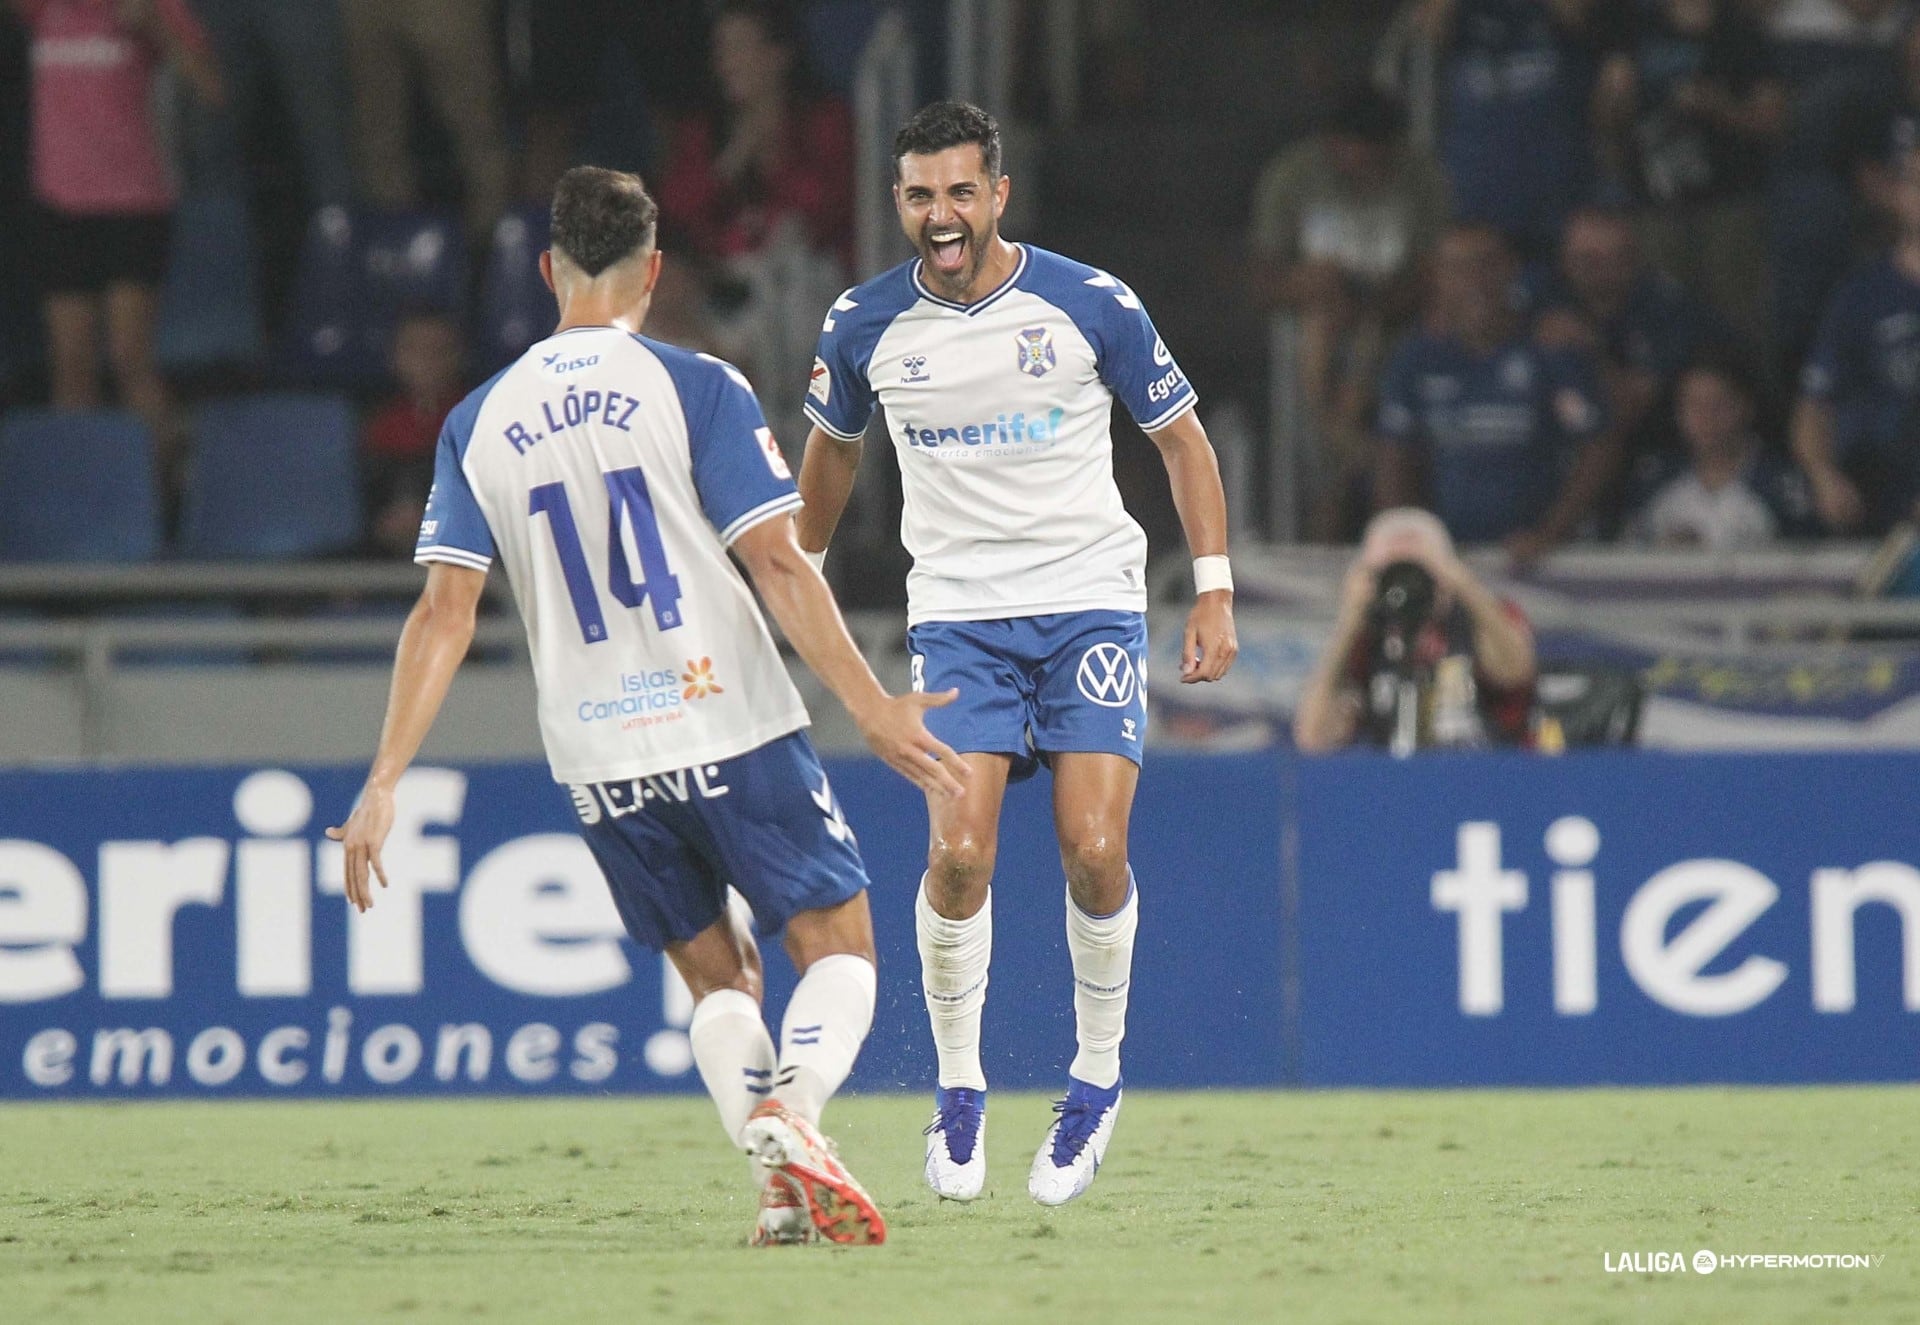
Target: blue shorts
pixel 765 822
pixel 1036 686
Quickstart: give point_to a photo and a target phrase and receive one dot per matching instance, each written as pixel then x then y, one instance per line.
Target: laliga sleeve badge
pixel 770 449
pixel 820 384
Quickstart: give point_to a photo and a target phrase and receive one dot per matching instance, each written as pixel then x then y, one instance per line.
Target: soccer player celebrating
pixel 997 364
pixel 610 474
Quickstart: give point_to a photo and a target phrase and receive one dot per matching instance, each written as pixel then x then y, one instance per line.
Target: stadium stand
pixel 77 487
pixel 271 476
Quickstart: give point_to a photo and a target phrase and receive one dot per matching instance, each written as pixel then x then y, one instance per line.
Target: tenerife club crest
pixel 1036 352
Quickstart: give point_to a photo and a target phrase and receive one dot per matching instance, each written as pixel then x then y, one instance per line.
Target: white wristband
pixel 818 560
pixel 1210 573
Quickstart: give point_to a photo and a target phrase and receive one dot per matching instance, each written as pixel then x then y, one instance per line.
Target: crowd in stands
pixel 239 197
pixel 1645 270
pixel 1654 275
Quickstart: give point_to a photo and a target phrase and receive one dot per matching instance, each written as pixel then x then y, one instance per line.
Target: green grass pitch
pixel 1471 1206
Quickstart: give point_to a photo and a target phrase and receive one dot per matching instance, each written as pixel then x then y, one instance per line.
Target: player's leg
pixel 831 1010
pixel 1091 720
pixel 953 911
pixel 670 901
pixel 780 835
pixel 953 924
pixel 731 1046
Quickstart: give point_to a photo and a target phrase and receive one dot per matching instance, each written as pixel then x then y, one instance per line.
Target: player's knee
pixel 958 869
pixel 1095 862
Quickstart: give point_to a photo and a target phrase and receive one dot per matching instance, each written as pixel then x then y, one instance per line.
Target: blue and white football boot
pixel 957 1143
pixel 1076 1143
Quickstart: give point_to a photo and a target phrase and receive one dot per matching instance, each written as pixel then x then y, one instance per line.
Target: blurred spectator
pixel 1340 222
pixel 286 52
pixel 397 443
pixel 593 79
pixel 1604 298
pixel 448 47
pixel 1883 126
pixel 1856 431
pixel 777 154
pixel 1505 439
pixel 1517 82
pixel 104 186
pixel 759 192
pixel 1423 655
pixel 1729 493
pixel 1688 112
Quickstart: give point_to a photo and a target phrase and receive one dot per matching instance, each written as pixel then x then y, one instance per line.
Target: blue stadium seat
pixel 516 308
pixel 77 487
pixel 209 308
pixel 272 476
pixel 322 344
pixel 359 272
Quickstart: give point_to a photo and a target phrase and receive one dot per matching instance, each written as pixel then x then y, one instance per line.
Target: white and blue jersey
pixel 608 473
pixel 1000 413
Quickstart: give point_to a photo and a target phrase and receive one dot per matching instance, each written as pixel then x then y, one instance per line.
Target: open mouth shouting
pixel 947 249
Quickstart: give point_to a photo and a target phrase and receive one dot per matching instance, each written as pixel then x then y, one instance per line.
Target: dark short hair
pixel 601 217
pixel 946 124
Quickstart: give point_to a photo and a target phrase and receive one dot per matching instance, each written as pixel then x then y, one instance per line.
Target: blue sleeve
pixel 1825 376
pixel 454 529
pixel 839 396
pixel 1399 417
pixel 1578 403
pixel 1133 361
pixel 738 471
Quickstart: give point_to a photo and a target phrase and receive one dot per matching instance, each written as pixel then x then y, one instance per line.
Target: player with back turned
pixel 997 365
pixel 610 475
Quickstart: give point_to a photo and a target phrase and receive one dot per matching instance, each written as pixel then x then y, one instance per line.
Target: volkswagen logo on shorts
pixel 1106 675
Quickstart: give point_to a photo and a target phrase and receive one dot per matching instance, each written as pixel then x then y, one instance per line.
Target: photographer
pixel 1423 655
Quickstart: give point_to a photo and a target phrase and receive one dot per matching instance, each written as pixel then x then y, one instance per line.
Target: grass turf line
pixel 1236 1206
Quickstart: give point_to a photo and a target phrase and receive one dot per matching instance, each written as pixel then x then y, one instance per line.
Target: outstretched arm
pixel 1210 644
pixel 433 643
pixel 826 481
pixel 894 725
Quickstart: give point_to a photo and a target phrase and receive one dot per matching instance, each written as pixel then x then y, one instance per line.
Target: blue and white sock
pixel 826 1023
pixel 1102 952
pixel 734 1053
pixel 954 956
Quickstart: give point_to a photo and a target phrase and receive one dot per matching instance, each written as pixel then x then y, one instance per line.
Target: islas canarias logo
pixel 700 680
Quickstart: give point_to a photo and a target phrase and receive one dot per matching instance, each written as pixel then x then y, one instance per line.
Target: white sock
pixel 826 1023
pixel 1102 951
pixel 954 955
pixel 734 1053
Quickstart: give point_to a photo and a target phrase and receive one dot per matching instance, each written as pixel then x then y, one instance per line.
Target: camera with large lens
pixel 1402 599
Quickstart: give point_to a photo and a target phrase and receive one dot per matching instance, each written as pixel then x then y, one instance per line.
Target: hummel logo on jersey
pixel 837 826
pixel 1105 675
pixel 913 368
pixel 1035 347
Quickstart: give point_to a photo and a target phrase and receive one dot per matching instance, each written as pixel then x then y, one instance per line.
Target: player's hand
pixel 896 729
pixel 1210 644
pixel 364 833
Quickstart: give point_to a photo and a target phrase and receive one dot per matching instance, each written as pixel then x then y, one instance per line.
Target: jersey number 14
pixel 629 505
